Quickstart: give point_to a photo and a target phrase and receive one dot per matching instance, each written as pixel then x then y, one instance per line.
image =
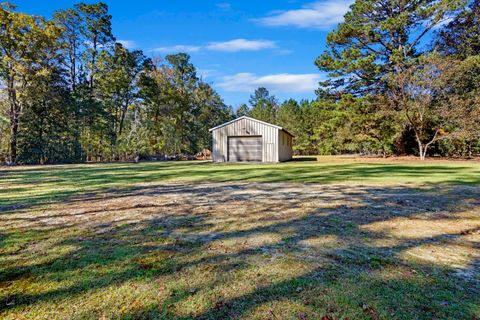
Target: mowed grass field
pixel 333 238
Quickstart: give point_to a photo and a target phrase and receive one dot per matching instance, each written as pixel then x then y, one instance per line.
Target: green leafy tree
pixel 71 42
pixel 288 117
pixel 86 35
pixel 180 108
pixel 242 110
pixel 25 41
pixel 97 34
pixel 264 106
pixel 348 125
pixel 309 119
pixel 465 98
pixel 181 83
pixel 118 76
pixel 47 131
pixel 212 111
pixel 461 36
pixel 135 142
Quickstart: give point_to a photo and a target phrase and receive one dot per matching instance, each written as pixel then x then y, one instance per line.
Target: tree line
pixel 404 78
pixel 71 93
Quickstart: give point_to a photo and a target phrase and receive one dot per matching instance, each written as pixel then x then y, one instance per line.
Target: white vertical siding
pixel 246 127
pixel 284 146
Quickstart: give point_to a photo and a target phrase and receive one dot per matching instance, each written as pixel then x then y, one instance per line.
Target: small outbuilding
pixel 248 139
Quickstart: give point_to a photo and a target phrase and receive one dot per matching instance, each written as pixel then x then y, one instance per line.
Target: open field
pixel 339 238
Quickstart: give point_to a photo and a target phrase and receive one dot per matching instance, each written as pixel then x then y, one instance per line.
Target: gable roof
pixel 252 119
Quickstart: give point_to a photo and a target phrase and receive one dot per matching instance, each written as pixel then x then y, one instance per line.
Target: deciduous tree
pixel 119 74
pixel 27 43
pixel 423 94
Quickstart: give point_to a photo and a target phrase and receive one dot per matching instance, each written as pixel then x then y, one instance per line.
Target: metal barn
pixel 248 139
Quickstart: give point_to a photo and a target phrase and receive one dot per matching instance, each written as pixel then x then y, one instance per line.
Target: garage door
pixel 245 148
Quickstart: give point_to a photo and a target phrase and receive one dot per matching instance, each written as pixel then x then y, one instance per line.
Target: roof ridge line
pixel 245 117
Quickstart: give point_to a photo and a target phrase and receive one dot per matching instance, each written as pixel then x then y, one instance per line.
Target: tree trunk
pixel 122 118
pixel 92 71
pixel 73 68
pixel 14 119
pixel 422 149
pixel 13 139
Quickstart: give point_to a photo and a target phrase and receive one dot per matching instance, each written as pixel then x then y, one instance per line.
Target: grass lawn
pixel 338 238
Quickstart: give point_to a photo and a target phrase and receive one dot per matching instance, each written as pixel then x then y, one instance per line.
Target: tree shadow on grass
pixel 303 159
pixel 28 188
pixel 349 264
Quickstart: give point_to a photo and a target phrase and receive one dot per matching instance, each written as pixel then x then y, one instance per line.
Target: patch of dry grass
pixel 23 187
pixel 251 250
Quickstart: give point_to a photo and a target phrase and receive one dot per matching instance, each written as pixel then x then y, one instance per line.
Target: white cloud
pixel 317 15
pixel 207 73
pixel 227 46
pixel 241 45
pixel 277 83
pixel 177 48
pixel 225 6
pixel 129 44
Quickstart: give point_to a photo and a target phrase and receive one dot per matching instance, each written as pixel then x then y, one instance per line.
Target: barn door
pixel 248 148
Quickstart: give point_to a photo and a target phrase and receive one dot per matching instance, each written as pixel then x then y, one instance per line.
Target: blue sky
pixel 235 45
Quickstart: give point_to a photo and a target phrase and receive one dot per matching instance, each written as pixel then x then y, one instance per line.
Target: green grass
pixel 32 185
pixel 340 238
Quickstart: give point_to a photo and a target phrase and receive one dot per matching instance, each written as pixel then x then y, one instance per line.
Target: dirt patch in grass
pixel 245 250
